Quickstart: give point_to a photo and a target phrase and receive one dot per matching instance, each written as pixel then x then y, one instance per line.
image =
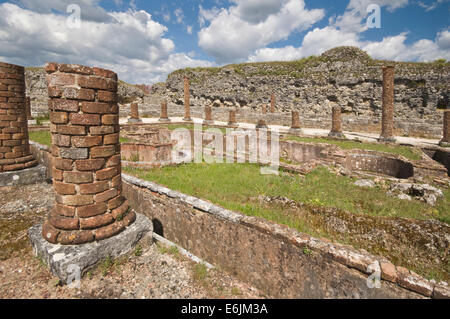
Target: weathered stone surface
pixel 24 177
pixel 65 261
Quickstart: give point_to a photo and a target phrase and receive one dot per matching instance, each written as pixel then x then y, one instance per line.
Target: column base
pixel 444 144
pixel 383 139
pixel 70 262
pixel 261 124
pixel 338 135
pixel 187 119
pixel 295 131
pixel 164 120
pixel 232 125
pixel 208 122
pixel 130 120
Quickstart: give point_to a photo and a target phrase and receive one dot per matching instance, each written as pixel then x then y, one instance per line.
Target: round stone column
pixel 387 121
pixel 86 165
pixel 187 101
pixel 208 116
pixel 14 144
pixel 28 108
pixel 445 142
pixel 164 116
pixel 336 125
pixel 295 120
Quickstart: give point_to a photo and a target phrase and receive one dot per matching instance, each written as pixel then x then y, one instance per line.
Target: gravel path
pixel 152 270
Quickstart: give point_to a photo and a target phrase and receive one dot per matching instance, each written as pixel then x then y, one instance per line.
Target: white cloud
pixel 189 29
pixel 179 15
pixel 432 6
pixel 229 37
pixel 130 43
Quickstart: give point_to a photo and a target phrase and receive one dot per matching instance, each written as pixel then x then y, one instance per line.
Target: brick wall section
pixel 86 156
pixel 14 145
pixel 446 133
pixel 187 103
pixel 272 103
pixel 134 111
pixel 387 121
pixel 295 119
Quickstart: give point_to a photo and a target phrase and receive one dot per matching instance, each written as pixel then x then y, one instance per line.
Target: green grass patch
pixel 41 137
pixel 408 152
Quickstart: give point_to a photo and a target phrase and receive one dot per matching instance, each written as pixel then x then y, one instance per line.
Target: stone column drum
pixel 387 121
pixel 208 116
pixel 272 103
pixel 187 101
pixel 14 144
pixel 164 117
pixel 295 120
pixel 336 125
pixel 232 118
pixel 445 142
pixel 264 109
pixel 86 166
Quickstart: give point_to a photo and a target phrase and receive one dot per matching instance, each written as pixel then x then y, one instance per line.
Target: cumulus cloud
pixel 232 37
pixel 130 43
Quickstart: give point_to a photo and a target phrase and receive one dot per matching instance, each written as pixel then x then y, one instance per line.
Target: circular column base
pixel 130 120
pixel 383 139
pixel 444 144
pixel 164 120
pixel 187 119
pixel 208 122
pixel 17 164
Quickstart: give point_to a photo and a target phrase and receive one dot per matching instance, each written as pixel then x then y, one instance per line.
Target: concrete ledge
pixel 134 121
pixel 72 260
pixel 26 176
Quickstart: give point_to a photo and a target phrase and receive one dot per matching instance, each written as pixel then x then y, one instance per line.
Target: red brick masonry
pixel 14 146
pixel 86 166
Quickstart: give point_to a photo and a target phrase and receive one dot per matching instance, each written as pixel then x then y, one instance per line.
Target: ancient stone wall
pixel 86 156
pixel 14 145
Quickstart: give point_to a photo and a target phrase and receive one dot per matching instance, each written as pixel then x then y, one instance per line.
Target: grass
pixel 233 187
pixel 408 152
pixel 41 137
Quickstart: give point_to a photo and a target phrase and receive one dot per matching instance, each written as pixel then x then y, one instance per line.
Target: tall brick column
pixel 134 113
pixel 295 120
pixel 272 103
pixel 208 116
pixel 187 101
pixel 164 116
pixel 387 121
pixel 14 144
pixel 336 125
pixel 84 117
pixel 232 118
pixel 445 142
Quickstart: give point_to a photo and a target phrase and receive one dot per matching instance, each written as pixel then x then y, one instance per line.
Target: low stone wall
pixel 146 155
pixel 276 259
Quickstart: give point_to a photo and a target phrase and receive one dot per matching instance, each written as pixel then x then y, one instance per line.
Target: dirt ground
pixel 150 271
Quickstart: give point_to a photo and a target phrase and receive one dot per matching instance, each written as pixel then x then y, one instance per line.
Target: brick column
pixel 28 108
pixel 134 113
pixel 336 126
pixel 272 103
pixel 14 144
pixel 86 165
pixel 232 118
pixel 445 142
pixel 295 120
pixel 187 99
pixel 387 121
pixel 164 117
pixel 208 116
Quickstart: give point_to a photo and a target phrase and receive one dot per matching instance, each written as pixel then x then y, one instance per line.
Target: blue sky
pixel 145 40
